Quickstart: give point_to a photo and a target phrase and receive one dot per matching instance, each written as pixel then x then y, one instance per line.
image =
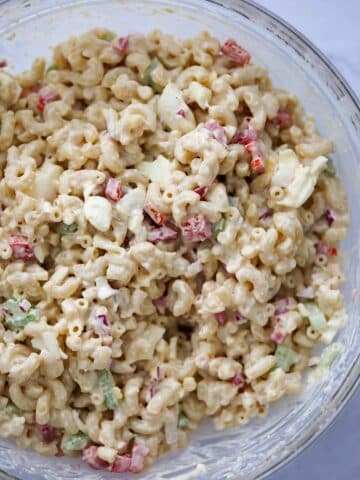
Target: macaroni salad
pixel 169 238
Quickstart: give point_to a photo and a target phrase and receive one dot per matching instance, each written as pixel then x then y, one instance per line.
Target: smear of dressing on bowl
pixel 200 468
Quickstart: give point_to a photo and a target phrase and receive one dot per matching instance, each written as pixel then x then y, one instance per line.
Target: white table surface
pixel 333 26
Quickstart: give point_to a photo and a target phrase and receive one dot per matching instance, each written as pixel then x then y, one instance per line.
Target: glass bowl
pixel 30 27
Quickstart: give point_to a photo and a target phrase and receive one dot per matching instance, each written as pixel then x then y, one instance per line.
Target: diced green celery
pixel 107 384
pixel 315 315
pixel 233 201
pixel 285 357
pixel 330 168
pixel 77 441
pixel 148 75
pixel 15 317
pixel 321 372
pixel 51 67
pixel 64 229
pixel 330 353
pixel 109 37
pixel 218 227
pixel 20 322
pixel 183 421
pixel 11 307
pixel 12 409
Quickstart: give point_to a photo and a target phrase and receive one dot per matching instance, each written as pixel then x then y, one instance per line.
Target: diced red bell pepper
pixel 122 464
pixel 47 433
pixel 162 234
pixel 45 96
pixel 283 119
pixel 217 131
pixel 196 228
pixel 329 216
pixel 238 380
pixel 90 458
pixel 113 190
pixel 240 318
pixel 257 163
pixel 221 317
pixel 120 44
pixel 278 334
pixel 282 306
pixel 201 191
pixel 235 52
pixel 158 217
pixel 181 113
pixel 265 213
pixel 245 136
pixel 160 304
pixel 138 455
pixel 322 249
pixel 21 248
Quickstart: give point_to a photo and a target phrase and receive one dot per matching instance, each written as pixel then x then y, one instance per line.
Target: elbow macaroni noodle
pixel 169 244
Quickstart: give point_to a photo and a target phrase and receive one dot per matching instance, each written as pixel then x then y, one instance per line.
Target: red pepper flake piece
pixel 329 216
pixel 3 63
pixel 221 317
pixel 235 52
pixel 181 113
pixel 201 191
pixel 240 318
pixel 196 228
pixel 238 380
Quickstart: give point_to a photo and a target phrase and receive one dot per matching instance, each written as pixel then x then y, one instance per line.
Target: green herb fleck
pixel 218 227
pixel 314 314
pixel 64 229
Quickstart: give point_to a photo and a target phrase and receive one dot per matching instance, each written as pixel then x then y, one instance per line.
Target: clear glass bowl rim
pixel 352 381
